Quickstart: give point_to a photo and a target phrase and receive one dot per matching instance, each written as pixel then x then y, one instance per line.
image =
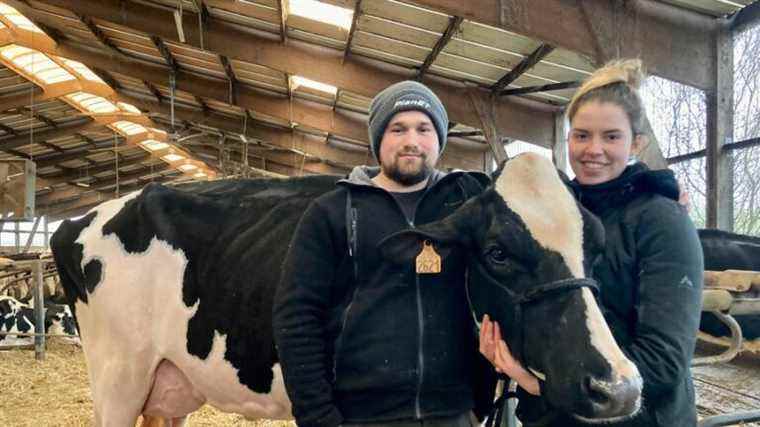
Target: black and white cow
pixel 730 251
pixel 173 288
pixel 16 316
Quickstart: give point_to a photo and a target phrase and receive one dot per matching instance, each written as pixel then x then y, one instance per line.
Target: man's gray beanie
pixel 405 96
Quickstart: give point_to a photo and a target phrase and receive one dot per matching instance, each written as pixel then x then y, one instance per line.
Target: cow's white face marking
pixel 136 317
pixel 531 188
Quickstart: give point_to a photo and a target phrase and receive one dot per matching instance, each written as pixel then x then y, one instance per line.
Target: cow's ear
pixel 404 246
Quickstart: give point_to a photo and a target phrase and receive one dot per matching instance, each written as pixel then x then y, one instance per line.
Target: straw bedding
pixel 55 392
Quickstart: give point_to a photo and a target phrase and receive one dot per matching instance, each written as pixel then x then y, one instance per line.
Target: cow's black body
pixel 730 251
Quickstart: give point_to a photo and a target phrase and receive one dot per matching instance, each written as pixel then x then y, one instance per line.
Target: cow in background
pixel 16 316
pixel 730 251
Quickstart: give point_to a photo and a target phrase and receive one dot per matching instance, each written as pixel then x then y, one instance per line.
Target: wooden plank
pixel 320 28
pixel 408 14
pixel 395 30
pixel 501 58
pixel 386 45
pixel 487 35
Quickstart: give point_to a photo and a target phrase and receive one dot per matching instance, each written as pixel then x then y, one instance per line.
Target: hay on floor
pixel 55 392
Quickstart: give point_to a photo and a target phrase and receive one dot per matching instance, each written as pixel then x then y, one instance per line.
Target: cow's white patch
pixel 603 341
pixel 531 188
pixel 135 318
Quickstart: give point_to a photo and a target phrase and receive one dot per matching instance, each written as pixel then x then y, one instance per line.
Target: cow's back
pixel 185 274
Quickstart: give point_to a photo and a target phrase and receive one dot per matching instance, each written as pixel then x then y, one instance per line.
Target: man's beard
pixel 407 177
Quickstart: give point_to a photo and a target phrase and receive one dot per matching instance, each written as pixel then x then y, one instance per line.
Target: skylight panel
pixel 322 12
pixel 153 145
pixel 129 128
pixel 129 108
pixel 82 70
pixel 17 19
pixel 187 167
pixel 171 158
pixel 93 103
pixel 322 87
pixel 36 64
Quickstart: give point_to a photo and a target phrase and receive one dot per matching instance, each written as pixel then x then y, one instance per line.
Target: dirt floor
pixel 55 392
pixel 727 387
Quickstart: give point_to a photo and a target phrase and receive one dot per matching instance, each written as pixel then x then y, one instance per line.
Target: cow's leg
pixel 151 421
pixel 179 422
pixel 119 390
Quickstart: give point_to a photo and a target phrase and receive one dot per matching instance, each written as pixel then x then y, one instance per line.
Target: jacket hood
pixel 362 176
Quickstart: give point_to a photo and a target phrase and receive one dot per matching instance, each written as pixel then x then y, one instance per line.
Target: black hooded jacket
pixel 374 341
pixel 650 277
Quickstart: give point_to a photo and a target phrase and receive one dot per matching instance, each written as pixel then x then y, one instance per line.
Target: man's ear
pixel 456 229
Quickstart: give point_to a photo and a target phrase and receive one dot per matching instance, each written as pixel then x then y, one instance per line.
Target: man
pixel 362 340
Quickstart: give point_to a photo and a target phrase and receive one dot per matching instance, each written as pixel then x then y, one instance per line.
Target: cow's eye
pixel 497 255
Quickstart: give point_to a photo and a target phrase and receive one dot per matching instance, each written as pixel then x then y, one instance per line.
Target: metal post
pixel 46 237
pixel 720 127
pixel 559 150
pixel 18 237
pixel 39 312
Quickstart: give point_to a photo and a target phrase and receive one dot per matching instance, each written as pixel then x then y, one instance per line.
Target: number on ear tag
pixel 428 261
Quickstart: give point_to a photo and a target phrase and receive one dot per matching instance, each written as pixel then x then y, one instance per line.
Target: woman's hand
pixel 493 348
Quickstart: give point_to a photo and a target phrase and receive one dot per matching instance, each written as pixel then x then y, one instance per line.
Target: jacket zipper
pixel 420 316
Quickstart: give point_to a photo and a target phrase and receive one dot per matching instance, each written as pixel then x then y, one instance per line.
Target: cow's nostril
pixel 612 399
pixel 599 394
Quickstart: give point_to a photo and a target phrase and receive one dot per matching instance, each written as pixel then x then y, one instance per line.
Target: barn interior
pixel 101 97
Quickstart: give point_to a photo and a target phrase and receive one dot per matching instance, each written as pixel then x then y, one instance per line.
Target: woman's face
pixel 600 142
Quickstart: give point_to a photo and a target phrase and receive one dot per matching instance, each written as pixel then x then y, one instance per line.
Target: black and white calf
pixel 173 289
pixel 17 317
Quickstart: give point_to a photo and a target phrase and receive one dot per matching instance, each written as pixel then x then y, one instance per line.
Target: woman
pixel 650 274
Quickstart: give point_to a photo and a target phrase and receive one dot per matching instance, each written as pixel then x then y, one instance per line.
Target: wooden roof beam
pixel 21 139
pixel 231 78
pixel 98 34
pixel 454 23
pixel 673 43
pixel 39 116
pixel 80 205
pixel 352 30
pixel 67 174
pixel 520 119
pixel 154 90
pixel 165 53
pixel 526 64
pixel 542 88
pixel 283 7
pixel 7 129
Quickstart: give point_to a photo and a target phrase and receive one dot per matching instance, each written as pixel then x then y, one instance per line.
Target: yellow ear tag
pixel 428 261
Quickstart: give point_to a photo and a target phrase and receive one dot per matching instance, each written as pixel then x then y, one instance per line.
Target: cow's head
pixel 531 245
pixel 59 320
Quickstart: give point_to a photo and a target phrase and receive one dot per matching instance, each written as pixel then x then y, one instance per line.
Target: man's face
pixel 409 149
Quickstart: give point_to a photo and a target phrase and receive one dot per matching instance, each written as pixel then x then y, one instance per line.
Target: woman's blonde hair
pixel 617 82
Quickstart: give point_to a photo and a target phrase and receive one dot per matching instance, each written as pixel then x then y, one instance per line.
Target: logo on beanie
pixel 405 103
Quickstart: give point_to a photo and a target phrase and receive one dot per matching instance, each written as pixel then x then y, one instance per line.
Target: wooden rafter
pixel 165 53
pixel 231 78
pixel 99 35
pixel 21 139
pixel 67 174
pixel 526 64
pixel 355 76
pixel 352 30
pixel 542 88
pixel 153 90
pixel 7 129
pixel 454 23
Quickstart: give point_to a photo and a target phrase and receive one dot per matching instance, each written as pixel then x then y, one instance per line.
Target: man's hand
pixel 493 348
